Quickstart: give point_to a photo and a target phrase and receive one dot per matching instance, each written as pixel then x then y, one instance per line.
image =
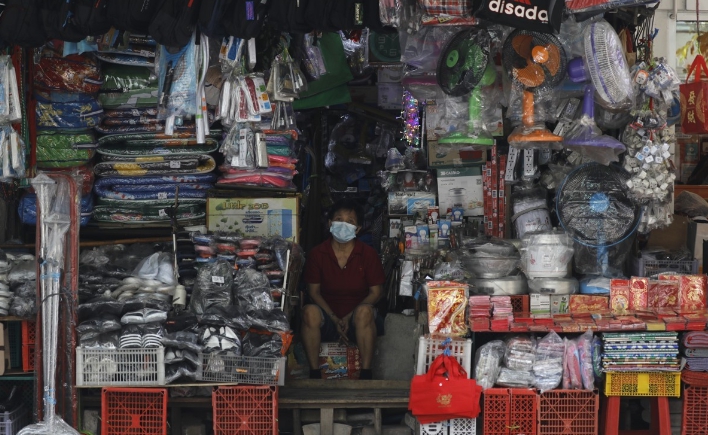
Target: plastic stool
pixel 660 417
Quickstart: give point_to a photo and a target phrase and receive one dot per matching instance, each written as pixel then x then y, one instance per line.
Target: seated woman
pixel 344 277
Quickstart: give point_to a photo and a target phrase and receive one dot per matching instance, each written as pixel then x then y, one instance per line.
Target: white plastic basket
pixel 217 367
pixel 456 426
pixel 12 421
pixel 431 347
pixel 120 367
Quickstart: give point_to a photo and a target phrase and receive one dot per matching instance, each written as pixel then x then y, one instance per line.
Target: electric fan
pixel 585 136
pixel 605 65
pixel 463 61
pixel 537 62
pixel 593 206
pixel 464 67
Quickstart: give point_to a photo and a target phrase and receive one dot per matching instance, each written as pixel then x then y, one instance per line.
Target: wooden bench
pixel 330 395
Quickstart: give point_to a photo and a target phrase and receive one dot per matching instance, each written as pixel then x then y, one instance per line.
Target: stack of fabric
pixel 67 110
pixel 695 349
pixel 240 169
pixel 646 351
pixel 142 170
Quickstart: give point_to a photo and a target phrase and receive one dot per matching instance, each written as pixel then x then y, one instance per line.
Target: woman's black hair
pixel 351 205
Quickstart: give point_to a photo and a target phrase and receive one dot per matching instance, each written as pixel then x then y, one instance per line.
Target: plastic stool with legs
pixel 660 417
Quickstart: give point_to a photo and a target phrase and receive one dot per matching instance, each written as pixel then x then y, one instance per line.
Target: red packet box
pixel 571 327
pixel 646 314
pixel 620 295
pixel 675 323
pixel 638 288
pixel 588 303
pixel 662 313
pixel 663 294
pixel 692 292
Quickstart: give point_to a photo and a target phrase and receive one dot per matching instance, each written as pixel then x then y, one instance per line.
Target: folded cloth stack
pixel 241 167
pixel 141 170
pixel 28 209
pixel 646 351
pixel 67 110
pixel 695 349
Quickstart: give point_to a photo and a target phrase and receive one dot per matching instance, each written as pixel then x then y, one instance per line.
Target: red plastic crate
pixel 134 411
pixel 695 410
pixel 512 411
pixel 245 410
pixel 568 412
pixel 29 329
pixel 28 357
pixel 520 304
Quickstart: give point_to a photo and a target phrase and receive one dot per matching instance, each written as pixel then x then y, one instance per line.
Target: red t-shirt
pixel 344 289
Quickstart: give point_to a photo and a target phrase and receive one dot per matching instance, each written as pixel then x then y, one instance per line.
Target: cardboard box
pixel 451 156
pixel 540 304
pixel 560 304
pixel 255 216
pixel 339 362
pixel 461 186
pixel 588 303
pixel 408 203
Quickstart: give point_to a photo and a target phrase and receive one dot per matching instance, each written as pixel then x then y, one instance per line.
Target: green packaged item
pixel 136 99
pixel 140 213
pixel 124 78
pixel 64 150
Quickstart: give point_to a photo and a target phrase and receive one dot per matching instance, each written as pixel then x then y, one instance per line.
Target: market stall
pixel 206 203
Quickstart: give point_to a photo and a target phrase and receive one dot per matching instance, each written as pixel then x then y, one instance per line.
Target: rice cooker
pixel 553 286
pixel 506 286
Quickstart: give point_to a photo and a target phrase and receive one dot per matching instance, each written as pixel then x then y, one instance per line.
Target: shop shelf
pixel 220 368
pixel 134 411
pixel 28 357
pixel 455 426
pixel 512 411
pixel 568 412
pixel 649 384
pixel 431 347
pixel 695 410
pixel 245 410
pixel 29 328
pixel 12 421
pixel 15 344
pixel 120 367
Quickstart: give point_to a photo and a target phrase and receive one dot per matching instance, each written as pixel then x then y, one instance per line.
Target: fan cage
pixel 607 65
pixel 593 206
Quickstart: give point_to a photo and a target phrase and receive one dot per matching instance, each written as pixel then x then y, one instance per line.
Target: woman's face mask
pixel 342 231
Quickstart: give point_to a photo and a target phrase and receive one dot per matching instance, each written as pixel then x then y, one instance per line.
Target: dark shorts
pixel 328 330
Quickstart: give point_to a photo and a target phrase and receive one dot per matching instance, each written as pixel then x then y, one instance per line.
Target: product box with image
pixel 560 304
pixel 255 216
pixel 410 203
pixel 461 187
pixel 540 304
pixel 339 362
pixel 450 155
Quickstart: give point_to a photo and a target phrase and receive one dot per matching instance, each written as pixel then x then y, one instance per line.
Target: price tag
pixel 161 195
pixel 175 164
pixel 162 212
pixel 217 279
